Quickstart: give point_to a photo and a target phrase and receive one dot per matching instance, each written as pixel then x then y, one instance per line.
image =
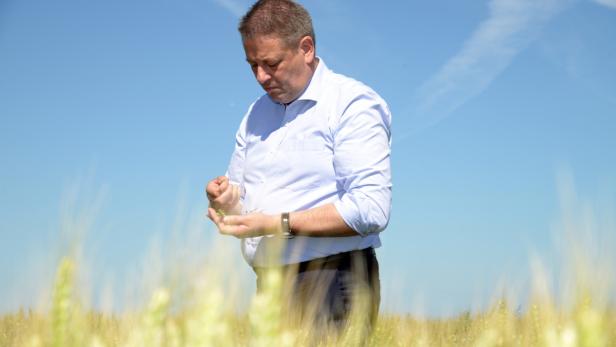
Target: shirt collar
pixel 314 88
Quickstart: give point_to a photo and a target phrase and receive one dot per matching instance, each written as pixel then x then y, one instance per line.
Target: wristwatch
pixel 286 233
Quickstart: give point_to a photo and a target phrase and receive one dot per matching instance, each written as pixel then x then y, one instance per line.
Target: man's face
pixel 282 71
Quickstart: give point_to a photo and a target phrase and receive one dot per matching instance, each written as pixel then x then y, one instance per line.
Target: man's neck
pixel 313 68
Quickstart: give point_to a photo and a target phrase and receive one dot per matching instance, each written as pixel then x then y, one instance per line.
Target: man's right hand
pixel 223 195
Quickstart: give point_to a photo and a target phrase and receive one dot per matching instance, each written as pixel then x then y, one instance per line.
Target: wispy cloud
pixel 510 27
pixel 236 8
pixel 608 3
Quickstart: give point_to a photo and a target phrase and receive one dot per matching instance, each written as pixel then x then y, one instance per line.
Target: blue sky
pixel 115 114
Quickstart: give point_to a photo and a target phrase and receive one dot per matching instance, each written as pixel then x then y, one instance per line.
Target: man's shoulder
pixel 343 82
pixel 348 88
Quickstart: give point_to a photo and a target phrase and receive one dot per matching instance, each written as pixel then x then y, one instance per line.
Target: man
pixel 311 166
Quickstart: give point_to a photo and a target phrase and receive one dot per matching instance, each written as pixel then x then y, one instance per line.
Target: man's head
pixel 279 44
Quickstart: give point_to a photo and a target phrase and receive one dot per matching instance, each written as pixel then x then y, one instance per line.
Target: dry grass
pixel 187 312
pixel 207 322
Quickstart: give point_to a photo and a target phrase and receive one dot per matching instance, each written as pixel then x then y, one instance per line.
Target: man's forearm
pixel 323 221
pixel 320 221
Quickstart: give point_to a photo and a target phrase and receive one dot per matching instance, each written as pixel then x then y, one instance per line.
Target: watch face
pixel 286 229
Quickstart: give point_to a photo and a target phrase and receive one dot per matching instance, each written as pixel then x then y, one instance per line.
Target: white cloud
pixel 511 26
pixel 608 3
pixel 235 7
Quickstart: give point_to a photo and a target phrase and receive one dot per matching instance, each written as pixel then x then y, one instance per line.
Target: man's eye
pixel 273 65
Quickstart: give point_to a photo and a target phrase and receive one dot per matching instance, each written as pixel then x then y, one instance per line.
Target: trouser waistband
pixel 331 261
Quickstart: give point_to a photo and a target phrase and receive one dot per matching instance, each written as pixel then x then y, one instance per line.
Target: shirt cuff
pixel 350 211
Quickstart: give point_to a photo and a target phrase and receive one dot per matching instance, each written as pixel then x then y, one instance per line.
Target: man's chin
pixel 278 97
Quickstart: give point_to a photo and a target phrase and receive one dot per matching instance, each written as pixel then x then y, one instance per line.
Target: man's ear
pixel 306 46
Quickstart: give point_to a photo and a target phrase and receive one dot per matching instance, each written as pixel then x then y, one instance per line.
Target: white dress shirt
pixel 331 145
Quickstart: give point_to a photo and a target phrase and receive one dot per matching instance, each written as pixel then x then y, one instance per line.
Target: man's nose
pixel 261 75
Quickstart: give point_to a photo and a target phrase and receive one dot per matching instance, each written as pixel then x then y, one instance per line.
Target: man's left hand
pixel 248 225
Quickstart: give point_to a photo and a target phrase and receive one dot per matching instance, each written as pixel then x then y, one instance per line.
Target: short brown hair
pixel 284 18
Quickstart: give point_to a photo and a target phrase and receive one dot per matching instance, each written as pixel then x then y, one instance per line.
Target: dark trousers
pixel 325 291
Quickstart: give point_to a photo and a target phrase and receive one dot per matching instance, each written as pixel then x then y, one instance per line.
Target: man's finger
pixel 218 220
pixel 211 189
pixel 211 215
pixel 212 195
pixel 240 231
pixel 228 197
pixel 234 220
pixel 224 184
pixel 221 178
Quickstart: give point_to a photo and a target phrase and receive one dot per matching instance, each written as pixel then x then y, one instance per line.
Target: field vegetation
pixel 207 319
pixel 186 311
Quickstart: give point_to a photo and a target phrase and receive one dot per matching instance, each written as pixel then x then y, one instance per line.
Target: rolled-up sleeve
pixel 362 148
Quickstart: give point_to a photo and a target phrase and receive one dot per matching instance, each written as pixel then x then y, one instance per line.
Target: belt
pixel 328 262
